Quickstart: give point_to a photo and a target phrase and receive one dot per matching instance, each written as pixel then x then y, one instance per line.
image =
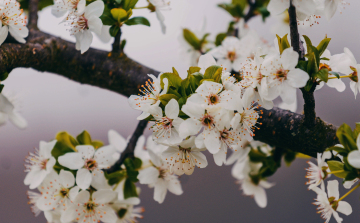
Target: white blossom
pixel 304 8
pixel 12 20
pixel 150 98
pixel 161 5
pixel 159 177
pixel 91 209
pixel 125 207
pixel 61 7
pixel 82 23
pixel 88 163
pixel 8 111
pixel 183 158
pixel 318 173
pixel 39 164
pixel 250 188
pixel 354 156
pixel 329 204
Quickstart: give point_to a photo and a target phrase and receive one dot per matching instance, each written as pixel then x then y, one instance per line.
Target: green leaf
pixel 337 168
pixel 309 85
pixel 264 12
pixel 335 74
pixel 114 30
pixel 289 157
pixel 345 136
pixel 312 66
pixel 193 70
pixel 191 38
pixel 308 44
pixel 323 75
pixel 84 138
pixel 233 9
pixel 137 21
pixel 131 171
pixel 302 64
pixel 173 79
pixel 107 18
pixel 181 102
pixel 97 144
pixel 342 151
pixel 219 38
pixel 137 163
pixel 122 44
pixel 3 76
pixel 323 45
pixel 129 4
pixel 351 176
pixel 213 72
pixel 195 80
pixel 357 129
pixel 116 177
pixel 129 189
pixel 175 71
pixel 118 14
pixel 60 149
pixel 256 156
pixel 165 98
pixel 283 43
pixel 67 139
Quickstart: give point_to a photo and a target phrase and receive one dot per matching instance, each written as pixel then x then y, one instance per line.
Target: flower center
pixel 4 19
pixel 324 66
pixel 334 203
pixel 90 206
pixel 166 122
pixel 281 74
pixel 43 164
pixel 207 120
pixel 354 74
pixel 231 56
pixel 224 134
pixel 64 192
pixel 213 99
pixel 162 173
pixel 91 164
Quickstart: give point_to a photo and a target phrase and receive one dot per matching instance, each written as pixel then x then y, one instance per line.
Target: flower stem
pixel 341 77
pixel 338 171
pixel 143 7
pixel 350 191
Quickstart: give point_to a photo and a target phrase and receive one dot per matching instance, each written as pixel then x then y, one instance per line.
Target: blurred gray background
pixel 51 103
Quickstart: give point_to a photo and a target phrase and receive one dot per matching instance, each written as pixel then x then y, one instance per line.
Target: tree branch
pixel 44 52
pixel 33 14
pixel 309 99
pixel 116 50
pixel 129 151
pixel 251 12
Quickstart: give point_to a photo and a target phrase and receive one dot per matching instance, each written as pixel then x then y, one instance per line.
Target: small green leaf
pixel 137 21
pixel 97 144
pixel 308 44
pixel 116 177
pixel 84 138
pixel 351 176
pixel 337 168
pixel 165 98
pixel 219 38
pixel 107 18
pixel 193 70
pixel 309 85
pixel 129 189
pixel 129 4
pixel 283 43
pixel 181 102
pixel 175 71
pixel 191 38
pixel 323 45
pixel 342 151
pixel 289 157
pixel 335 74
pixel 312 66
pixel 122 44
pixel 357 129
pixel 118 14
pixel 322 75
pixel 345 136
pixel 264 12
pixel 67 139
pixel 60 149
pixel 213 72
pixel 1 87
pixel 173 80
pixel 256 156
pixel 137 163
pixel 114 30
pixel 3 76
pixel 302 64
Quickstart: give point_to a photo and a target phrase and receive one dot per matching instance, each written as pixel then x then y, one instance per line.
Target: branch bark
pixel 45 52
pixel 33 14
pixel 129 150
pixel 309 99
pixel 251 12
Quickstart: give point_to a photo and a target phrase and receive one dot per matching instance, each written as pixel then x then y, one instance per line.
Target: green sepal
pixel 283 43
pixel 116 177
pixel 165 98
pixel 60 149
pixel 128 4
pixel 192 39
pixel 175 71
pixel 357 129
pixel 193 70
pixel 213 72
pixel 67 139
pixel 337 166
pixel 129 189
pixel 256 156
pixel 97 144
pixel 323 75
pixel 84 138
pixel 219 38
pixel 119 14
pixel 335 74
pixel 137 21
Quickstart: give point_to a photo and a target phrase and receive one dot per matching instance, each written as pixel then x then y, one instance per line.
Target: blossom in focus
pixel 329 204
pixel 8 111
pixel 61 7
pixel 88 162
pixel 12 20
pixel 83 22
pixel 39 164
pixel 318 173
pixel 282 76
pixel 183 158
pixel 158 6
pixel 166 128
pixel 150 98
pixel 91 209
pixel 159 177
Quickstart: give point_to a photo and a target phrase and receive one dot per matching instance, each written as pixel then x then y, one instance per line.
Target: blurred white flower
pixel 61 7
pixel 125 210
pixel 160 5
pixel 354 156
pixel 8 111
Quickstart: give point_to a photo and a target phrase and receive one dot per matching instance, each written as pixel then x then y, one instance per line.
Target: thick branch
pixel 33 14
pixel 129 151
pixel 251 12
pixel 286 129
pixel 309 99
pixel 44 52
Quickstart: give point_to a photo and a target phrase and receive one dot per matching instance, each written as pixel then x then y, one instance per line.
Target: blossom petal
pixel 200 159
pixel 99 181
pixel 82 197
pixel 149 175
pixel 297 78
pixel 103 156
pixel 206 61
pixel 160 190
pixel 17 120
pixel 172 109
pixel 333 189
pixel 104 196
pixel 354 158
pixel 38 179
pixel 3 33
pixel 95 24
pixel 86 151
pixel 83 178
pixel 212 141
pixel 220 157
pixel 189 127
pixel 289 58
pixel 108 214
pixel 288 93
pixel 174 187
pixel 275 7
pixel 95 8
pixel 67 179
pixel 344 207
pixel 260 197
pixel 71 160
pixel 45 148
pixel 116 140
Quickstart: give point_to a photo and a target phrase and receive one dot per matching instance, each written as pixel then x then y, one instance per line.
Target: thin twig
pixel 129 151
pixel 116 50
pixel 309 99
pixel 251 12
pixel 33 14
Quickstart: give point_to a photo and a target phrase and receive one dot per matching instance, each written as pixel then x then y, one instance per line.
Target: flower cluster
pixel 13 20
pixel 342 161
pixel 69 175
